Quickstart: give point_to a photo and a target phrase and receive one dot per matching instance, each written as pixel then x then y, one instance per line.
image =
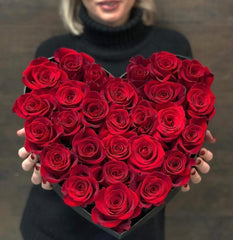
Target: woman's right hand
pixel 31 163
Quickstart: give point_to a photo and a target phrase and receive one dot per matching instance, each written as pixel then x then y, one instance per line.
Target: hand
pixel 31 162
pixel 202 160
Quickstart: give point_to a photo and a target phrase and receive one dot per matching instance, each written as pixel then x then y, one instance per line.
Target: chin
pixel 114 19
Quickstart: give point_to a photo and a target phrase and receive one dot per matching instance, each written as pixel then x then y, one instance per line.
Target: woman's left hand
pixel 202 165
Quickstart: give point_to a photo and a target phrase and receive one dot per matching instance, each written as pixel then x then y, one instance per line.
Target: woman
pixel 111 31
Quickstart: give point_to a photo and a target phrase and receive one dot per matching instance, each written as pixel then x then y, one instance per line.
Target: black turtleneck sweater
pixel 46 217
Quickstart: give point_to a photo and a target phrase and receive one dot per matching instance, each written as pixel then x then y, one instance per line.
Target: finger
pixel 23 153
pixel 206 154
pixel 21 132
pixel 29 162
pixel 46 185
pixel 209 137
pixel 202 166
pixel 36 176
pixel 185 188
pixel 195 177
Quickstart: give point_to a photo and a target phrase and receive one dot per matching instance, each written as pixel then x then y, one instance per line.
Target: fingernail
pixel 32 156
pixel 37 167
pixel 193 172
pixel 202 152
pixel 198 161
pixel 18 131
pixel 186 185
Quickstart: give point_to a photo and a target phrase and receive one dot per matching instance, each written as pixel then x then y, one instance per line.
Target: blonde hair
pixel 69 10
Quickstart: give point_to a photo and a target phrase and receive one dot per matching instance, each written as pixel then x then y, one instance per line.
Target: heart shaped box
pixel 145 215
pixel 137 222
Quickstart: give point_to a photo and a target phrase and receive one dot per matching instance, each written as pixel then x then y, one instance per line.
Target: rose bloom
pixel 121 93
pixel 115 205
pixel 88 147
pixel 140 60
pixel 117 147
pixel 70 121
pixel 31 104
pixel 95 77
pixel 137 75
pixel 200 102
pixel 56 162
pixel 193 136
pixel 70 94
pixel 81 188
pixel 193 72
pixel 164 66
pixel 118 121
pixel 40 132
pixel 41 73
pixel 147 154
pixel 114 172
pixel 154 189
pixel 171 122
pixel 163 93
pixel 94 109
pixel 72 62
pixel 144 118
pixel 178 166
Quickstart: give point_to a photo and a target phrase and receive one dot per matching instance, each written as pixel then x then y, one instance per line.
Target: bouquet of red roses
pixel 117 144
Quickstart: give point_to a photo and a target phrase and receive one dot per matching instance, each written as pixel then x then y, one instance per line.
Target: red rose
pixel 30 104
pixel 40 132
pixel 115 172
pixel 193 72
pixel 163 93
pixel 193 135
pixel 70 94
pixel 137 74
pixel 114 206
pixel 69 120
pixel 117 147
pixel 147 154
pixel 164 66
pixel 81 188
pixel 171 122
pixel 139 60
pixel 94 109
pixel 72 62
pixel 56 161
pixel 144 118
pixel 88 147
pixel 121 93
pixel 200 102
pixel 95 77
pixel 154 189
pixel 178 166
pixel 41 73
pixel 118 121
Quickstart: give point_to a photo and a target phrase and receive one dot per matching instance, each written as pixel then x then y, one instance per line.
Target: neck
pixel 117 37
